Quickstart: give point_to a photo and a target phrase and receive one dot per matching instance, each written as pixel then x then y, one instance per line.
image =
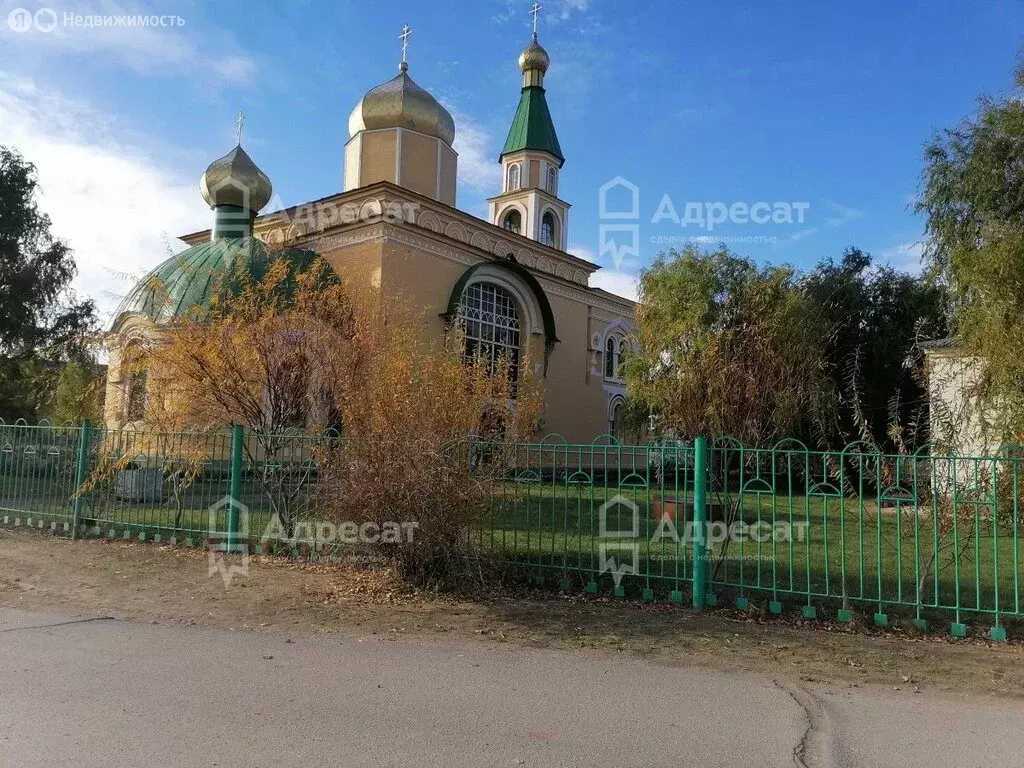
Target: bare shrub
pixel 415 413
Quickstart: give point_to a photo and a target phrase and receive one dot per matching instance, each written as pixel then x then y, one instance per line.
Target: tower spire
pixel 531 159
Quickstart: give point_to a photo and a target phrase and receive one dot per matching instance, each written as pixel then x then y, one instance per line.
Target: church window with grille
pixel 489 320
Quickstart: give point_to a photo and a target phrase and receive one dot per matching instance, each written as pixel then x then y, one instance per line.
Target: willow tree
pixel 726 348
pixel 973 197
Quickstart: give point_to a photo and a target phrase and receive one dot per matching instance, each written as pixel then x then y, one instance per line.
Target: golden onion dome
pixel 401 103
pixel 236 180
pixel 534 57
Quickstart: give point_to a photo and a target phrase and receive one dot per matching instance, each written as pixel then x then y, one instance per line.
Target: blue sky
pixel 827 104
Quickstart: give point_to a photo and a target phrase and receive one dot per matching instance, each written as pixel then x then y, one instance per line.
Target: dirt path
pixel 145 582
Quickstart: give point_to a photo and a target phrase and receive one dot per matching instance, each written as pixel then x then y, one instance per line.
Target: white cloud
pixel 614 281
pixel 841 215
pixel 152 50
pixel 582 252
pixel 116 206
pixel 479 170
pixel 906 257
pixel 837 216
pixel 555 11
pixel 620 283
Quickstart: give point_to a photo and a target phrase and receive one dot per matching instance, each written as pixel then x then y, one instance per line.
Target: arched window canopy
pixel 519 271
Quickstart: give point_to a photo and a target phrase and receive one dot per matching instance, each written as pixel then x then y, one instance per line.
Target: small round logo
pixel 20 20
pixel 46 19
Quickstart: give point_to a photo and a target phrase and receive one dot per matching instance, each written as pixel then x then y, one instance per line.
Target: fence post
pixel 232 544
pixel 700 478
pixel 81 474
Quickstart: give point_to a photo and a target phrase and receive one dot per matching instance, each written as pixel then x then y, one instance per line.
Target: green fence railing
pixel 919 537
pixel 923 537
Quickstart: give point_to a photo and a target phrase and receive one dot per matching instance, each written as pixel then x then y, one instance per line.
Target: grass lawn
pixel 846 548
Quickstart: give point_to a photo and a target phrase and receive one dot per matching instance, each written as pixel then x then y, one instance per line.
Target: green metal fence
pixel 829 533
pixel 920 537
pixel 180 487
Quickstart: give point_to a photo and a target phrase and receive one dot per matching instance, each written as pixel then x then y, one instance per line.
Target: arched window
pixel 615 350
pixel 513 222
pixel 552 180
pixel 609 358
pixel 513 178
pixel 547 229
pixel 136 408
pixel 489 321
pixel 135 384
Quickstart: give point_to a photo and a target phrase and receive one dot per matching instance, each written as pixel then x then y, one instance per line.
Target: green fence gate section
pixel 920 537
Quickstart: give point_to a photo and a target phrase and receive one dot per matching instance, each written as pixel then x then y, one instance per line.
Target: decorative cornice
pixel 354 217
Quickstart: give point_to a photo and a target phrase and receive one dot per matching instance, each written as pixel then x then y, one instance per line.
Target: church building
pixel 509 282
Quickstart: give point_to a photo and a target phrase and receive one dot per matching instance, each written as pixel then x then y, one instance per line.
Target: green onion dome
pixel 188 282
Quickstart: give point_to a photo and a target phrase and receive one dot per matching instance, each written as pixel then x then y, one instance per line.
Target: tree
pixel 78 395
pixel 973 183
pixel 872 317
pixel 973 197
pixel 726 348
pixel 42 323
pixel 294 349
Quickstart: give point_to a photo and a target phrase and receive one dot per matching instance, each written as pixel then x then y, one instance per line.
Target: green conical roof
pixel 186 282
pixel 532 127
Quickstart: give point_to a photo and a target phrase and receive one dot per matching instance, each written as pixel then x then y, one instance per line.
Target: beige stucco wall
pixel 449 173
pixel 377 156
pixel 358 263
pixel 419 165
pixel 576 399
pixel 955 421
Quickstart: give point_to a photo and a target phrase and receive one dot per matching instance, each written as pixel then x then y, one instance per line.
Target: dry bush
pixel 294 350
pixel 269 354
pixel 415 414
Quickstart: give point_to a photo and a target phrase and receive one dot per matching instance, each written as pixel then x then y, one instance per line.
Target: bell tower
pixel 532 160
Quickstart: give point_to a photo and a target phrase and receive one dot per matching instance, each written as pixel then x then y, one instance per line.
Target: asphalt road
pixel 88 691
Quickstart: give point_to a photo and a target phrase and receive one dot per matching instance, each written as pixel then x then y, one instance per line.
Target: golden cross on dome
pixel 238 127
pixel 404 37
pixel 535 10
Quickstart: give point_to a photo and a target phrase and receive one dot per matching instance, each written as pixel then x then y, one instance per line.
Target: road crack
pixel 58 624
pixel 811 751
